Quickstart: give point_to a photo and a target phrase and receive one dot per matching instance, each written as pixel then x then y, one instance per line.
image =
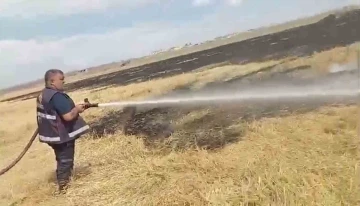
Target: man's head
pixel 54 78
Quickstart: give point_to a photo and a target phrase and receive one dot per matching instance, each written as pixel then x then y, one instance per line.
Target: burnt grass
pixel 212 131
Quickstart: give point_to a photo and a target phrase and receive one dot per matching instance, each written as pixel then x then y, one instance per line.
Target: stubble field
pixel 268 153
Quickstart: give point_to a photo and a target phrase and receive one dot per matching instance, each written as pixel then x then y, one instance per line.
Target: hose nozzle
pixel 88 104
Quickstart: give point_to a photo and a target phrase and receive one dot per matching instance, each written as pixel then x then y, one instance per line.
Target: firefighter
pixel 60 124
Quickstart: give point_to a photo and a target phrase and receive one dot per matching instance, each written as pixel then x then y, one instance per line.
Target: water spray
pixel 229 98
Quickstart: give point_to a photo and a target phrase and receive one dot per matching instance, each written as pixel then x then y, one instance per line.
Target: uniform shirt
pixel 61 104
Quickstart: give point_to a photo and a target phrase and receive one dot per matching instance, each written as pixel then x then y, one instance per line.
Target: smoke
pixel 335 68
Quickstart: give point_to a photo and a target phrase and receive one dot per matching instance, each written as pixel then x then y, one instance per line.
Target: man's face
pixel 58 81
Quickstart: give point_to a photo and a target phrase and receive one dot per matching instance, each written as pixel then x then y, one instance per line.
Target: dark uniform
pixel 56 132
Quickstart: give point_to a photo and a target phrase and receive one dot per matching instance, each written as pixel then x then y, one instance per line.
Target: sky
pixel 76 34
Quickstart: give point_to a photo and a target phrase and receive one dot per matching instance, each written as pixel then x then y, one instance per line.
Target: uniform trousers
pixel 64 155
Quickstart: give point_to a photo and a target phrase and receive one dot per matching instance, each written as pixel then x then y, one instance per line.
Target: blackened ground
pixel 213 130
pixel 327 33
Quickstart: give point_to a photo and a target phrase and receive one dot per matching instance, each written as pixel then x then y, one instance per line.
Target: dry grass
pixel 278 163
pixel 323 61
pixel 300 159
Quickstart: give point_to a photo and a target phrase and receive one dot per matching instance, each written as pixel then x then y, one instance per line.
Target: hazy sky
pixel 75 34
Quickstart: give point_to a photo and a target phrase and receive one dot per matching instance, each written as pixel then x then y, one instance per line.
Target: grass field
pixel 233 155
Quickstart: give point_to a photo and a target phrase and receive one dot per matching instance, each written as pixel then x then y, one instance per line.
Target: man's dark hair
pixel 50 73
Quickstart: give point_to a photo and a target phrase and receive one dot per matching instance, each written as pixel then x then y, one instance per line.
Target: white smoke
pixel 335 68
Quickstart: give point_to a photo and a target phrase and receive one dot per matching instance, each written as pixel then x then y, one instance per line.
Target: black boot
pixel 63 186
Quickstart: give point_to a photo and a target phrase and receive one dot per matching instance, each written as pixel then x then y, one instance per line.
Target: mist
pixel 341 84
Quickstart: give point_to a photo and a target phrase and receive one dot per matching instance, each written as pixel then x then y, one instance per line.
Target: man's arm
pixel 64 108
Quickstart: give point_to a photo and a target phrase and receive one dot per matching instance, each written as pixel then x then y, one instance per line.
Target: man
pixel 59 124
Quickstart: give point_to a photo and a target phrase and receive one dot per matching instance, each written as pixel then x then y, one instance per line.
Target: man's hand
pixel 80 108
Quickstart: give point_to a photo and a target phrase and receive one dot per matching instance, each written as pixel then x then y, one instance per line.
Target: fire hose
pixel 3 171
pixel 28 145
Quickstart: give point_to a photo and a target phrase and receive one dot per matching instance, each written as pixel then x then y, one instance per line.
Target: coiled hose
pixel 3 171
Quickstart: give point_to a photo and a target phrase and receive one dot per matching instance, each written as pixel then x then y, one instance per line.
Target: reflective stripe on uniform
pixel 66 160
pixel 46 116
pixel 40 106
pixel 72 134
